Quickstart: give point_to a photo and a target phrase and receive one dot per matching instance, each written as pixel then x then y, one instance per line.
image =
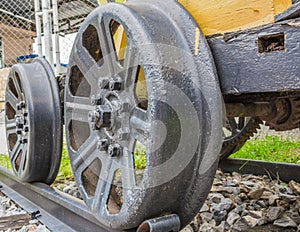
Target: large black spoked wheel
pixel 151 91
pixel 237 131
pixel 33 122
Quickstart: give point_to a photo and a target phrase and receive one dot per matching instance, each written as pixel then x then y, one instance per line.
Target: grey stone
pixel 273 213
pixel 215 197
pixel 241 225
pixel 295 187
pixel 221 227
pixel 256 214
pixel 272 199
pixel 188 228
pixel 207 216
pixel 288 198
pixel 247 183
pixel 256 194
pixel 206 227
pixel 251 221
pixel 204 208
pixel 285 222
pixel 232 218
pixel 220 216
pixel 225 204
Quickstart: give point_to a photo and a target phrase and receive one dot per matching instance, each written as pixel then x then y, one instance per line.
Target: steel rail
pixel 58 211
pixel 282 171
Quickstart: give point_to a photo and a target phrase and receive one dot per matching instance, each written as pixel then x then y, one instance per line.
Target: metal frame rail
pixel 282 171
pixel 58 211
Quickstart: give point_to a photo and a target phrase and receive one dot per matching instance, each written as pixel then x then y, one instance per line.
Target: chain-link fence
pixel 16 35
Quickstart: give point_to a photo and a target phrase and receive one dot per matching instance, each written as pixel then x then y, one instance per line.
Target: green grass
pixel 4 161
pixel 272 148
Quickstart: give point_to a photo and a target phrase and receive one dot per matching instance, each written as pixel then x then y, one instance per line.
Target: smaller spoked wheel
pixel 33 122
pixel 236 132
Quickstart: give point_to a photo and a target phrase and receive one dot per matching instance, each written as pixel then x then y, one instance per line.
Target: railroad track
pixel 62 212
pixel 58 211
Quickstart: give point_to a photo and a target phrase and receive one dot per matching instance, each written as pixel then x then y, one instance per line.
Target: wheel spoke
pixel 130 68
pixel 87 66
pixel 107 46
pixel 11 127
pixel 128 169
pixel 15 152
pixel 233 125
pixel 11 98
pixel 103 187
pixel 86 150
pixel 139 125
pixel 241 123
pixel 17 86
pixel 23 159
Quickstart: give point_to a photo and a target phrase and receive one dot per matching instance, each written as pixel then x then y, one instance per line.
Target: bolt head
pixel 102 144
pixel 114 150
pixel 123 134
pixel 105 114
pixel 93 116
pixel 103 83
pixel 21 105
pixel 19 131
pixel 26 129
pixel 96 100
pixel 115 85
pixel 24 140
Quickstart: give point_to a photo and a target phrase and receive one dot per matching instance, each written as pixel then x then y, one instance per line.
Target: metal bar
pixel 56 34
pixel 37 9
pixel 16 16
pixel 47 26
pixel 283 171
pixel 59 212
pixel 248 109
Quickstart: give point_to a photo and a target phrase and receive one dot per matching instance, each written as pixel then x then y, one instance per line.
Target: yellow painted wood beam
pixel 220 16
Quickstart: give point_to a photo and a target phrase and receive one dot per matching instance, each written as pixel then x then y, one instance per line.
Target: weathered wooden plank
pixel 220 16
pixel 14 221
pixel 263 59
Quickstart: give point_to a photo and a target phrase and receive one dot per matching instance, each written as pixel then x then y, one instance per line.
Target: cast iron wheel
pixel 159 95
pixel 236 133
pixel 33 122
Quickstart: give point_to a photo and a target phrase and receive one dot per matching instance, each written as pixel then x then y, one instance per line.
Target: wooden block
pixel 14 221
pixel 221 16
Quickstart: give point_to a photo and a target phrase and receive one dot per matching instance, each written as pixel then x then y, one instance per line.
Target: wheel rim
pixel 106 117
pixel 34 151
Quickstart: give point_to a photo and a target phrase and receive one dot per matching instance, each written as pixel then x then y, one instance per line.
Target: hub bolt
pixel 19 122
pixel 21 105
pixel 114 150
pixel 26 129
pixel 103 83
pixel 123 134
pixel 96 100
pixel 115 84
pixel 102 144
pixel 104 116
